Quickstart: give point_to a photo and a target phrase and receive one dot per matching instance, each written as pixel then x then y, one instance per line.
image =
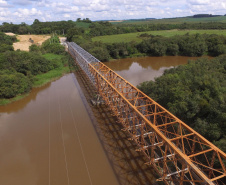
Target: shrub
pixel 5 47
pixel 13 84
pixel 34 48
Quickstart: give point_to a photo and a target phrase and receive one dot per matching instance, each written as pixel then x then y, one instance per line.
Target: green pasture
pixel 166 33
pixel 83 24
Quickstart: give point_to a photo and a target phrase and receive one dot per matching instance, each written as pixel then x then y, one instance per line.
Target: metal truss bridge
pixel 178 153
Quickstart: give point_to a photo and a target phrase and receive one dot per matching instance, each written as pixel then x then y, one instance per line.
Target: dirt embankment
pixel 27 40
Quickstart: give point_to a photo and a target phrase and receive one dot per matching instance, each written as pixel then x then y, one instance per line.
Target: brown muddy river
pixel 48 137
pixel 137 70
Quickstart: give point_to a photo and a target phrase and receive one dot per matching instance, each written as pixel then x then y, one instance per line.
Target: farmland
pixel 166 33
pixel 173 20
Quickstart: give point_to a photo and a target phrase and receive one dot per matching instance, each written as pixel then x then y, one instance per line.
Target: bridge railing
pixel 83 58
pixel 177 152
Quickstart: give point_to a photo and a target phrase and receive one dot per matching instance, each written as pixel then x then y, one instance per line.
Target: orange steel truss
pixel 178 153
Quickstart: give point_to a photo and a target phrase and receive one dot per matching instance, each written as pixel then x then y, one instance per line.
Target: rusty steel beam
pixel 176 151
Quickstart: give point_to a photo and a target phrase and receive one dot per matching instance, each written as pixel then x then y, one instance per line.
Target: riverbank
pixel 44 78
pixel 62 69
pixel 21 70
pixel 40 80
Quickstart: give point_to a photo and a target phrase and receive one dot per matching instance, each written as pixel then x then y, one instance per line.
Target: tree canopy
pixel 196 93
pixel 18 68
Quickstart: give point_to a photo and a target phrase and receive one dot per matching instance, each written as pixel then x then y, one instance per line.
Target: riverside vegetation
pixel 20 70
pixel 196 93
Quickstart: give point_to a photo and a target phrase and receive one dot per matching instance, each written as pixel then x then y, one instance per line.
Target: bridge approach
pixel 178 153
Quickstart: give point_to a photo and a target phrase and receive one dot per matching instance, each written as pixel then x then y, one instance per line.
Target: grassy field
pixel 175 20
pixel 167 33
pixel 82 24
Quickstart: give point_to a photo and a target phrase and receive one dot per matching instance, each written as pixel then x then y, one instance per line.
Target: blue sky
pixel 18 11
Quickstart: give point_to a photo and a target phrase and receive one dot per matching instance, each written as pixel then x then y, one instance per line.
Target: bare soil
pixel 27 40
pixel 10 34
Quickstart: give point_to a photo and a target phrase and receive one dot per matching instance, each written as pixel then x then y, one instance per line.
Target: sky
pixel 18 11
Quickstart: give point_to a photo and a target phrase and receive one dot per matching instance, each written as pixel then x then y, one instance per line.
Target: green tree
pixel 196 93
pixel 13 84
pixel 100 53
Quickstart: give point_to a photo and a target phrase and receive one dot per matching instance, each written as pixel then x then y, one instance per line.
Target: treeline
pixel 18 68
pixel 99 28
pixel 38 27
pixel 205 15
pixel 184 45
pixel 106 28
pixel 196 93
pixel 87 20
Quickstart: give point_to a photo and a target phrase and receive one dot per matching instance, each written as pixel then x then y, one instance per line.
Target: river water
pixel 137 70
pixel 48 137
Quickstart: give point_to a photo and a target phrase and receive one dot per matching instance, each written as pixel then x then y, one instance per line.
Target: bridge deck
pixel 177 152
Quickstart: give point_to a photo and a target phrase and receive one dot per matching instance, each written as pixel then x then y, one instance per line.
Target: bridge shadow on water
pixel 128 164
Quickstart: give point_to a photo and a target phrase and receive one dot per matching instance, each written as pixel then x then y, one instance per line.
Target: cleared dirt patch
pixel 10 34
pixel 27 40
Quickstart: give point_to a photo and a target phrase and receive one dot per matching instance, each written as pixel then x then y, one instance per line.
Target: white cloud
pixel 199 2
pixel 67 15
pixel 3 3
pixel 179 10
pixel 53 10
pixel 4 13
pixel 28 15
pixel 207 6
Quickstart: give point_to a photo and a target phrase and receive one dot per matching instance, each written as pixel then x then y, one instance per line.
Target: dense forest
pixel 19 68
pixel 196 93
